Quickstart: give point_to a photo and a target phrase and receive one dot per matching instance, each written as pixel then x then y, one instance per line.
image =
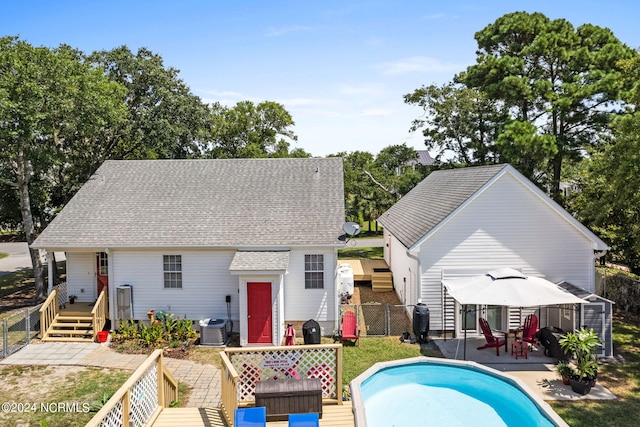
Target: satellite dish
pixel 351 228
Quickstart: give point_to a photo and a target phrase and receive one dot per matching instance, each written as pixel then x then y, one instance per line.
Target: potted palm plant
pixel 72 299
pixel 582 344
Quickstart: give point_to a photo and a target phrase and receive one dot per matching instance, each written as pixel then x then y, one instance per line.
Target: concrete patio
pixel 537 371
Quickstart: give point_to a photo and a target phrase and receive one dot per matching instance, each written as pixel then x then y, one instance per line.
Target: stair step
pixel 75 318
pixel 85 325
pixel 70 332
pixel 69 339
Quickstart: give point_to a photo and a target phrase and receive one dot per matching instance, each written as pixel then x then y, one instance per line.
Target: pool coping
pixel 359 413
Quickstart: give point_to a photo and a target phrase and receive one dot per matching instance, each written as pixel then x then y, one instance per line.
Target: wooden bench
pixel 284 397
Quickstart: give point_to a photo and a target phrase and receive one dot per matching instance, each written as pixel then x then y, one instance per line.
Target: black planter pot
pixel 580 387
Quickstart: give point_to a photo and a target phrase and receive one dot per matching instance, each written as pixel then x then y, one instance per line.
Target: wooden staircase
pixel 71 327
pixel 381 279
pixel 72 322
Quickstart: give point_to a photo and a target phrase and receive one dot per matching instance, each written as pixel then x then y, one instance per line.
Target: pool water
pixel 441 395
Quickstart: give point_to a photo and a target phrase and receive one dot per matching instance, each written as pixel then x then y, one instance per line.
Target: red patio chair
pixel 492 340
pixel 530 329
pixel 349 329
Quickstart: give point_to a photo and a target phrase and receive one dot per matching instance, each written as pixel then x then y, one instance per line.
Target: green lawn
pixel 45 388
pixel 3 255
pixel 358 358
pixel 368 252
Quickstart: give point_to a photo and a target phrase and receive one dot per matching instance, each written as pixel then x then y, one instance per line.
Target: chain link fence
pixel 18 329
pixel 379 320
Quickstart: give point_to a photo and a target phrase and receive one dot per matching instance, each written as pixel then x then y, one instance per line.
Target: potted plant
pixel 72 299
pixel 582 344
pixel 565 370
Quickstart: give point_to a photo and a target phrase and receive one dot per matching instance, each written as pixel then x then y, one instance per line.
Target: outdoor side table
pixel 520 349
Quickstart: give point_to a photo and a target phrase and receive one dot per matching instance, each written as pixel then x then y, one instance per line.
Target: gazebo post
pixel 464 325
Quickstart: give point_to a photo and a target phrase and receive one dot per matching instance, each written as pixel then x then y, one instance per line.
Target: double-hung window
pixel 314 271
pixel 172 271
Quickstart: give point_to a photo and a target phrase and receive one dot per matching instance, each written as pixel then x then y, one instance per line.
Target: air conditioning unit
pixel 213 332
pixel 124 300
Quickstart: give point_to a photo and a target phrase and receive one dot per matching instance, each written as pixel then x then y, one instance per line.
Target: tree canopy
pixel 559 83
pixel 52 104
pixel 250 130
pixel 609 197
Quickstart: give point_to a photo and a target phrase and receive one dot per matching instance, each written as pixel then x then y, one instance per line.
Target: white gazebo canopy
pixel 508 287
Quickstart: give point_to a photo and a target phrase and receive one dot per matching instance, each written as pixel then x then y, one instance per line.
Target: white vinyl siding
pixel 304 304
pixel 81 275
pixel 507 225
pixel 404 270
pixel 205 283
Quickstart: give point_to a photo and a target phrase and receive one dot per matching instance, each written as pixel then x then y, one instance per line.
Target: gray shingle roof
pixel 204 203
pixel 433 199
pixel 260 261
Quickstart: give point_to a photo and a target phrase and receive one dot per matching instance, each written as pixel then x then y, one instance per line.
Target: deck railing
pixel 242 368
pixel 48 313
pixel 141 399
pixel 230 380
pixel 99 313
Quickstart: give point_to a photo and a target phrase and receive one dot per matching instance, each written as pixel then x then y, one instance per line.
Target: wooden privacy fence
pixel 242 368
pixel 141 399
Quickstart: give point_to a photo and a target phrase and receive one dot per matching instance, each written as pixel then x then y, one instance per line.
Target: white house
pixel 468 221
pixel 188 235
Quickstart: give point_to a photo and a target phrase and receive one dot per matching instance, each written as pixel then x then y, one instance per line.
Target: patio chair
pixel 530 329
pixel 349 329
pixel 251 417
pixel 304 420
pixel 492 340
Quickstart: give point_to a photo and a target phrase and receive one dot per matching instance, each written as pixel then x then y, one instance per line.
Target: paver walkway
pixel 204 380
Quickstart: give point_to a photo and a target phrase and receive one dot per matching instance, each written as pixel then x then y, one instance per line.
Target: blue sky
pixel 340 68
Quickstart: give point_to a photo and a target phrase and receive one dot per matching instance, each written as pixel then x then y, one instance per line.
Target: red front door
pixel 102 272
pixel 259 312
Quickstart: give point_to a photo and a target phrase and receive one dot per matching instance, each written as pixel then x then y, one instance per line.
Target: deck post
pixel 160 366
pixel 126 407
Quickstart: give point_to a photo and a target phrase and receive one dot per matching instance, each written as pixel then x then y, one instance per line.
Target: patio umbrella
pixel 507 287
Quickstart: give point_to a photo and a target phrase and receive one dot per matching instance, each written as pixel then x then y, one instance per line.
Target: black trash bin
pixel 421 322
pixel 311 332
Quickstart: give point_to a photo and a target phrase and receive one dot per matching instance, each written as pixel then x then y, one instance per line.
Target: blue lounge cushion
pixel 304 420
pixel 251 417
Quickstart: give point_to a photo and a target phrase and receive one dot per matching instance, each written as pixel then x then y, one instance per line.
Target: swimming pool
pixel 443 392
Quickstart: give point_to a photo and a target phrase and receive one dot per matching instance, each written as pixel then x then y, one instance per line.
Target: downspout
pixel 415 258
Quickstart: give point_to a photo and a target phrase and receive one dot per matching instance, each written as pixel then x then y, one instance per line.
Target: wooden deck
pixel 375 271
pixel 77 309
pixel 332 416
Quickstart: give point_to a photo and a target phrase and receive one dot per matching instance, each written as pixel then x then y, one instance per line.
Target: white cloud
pixel 416 64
